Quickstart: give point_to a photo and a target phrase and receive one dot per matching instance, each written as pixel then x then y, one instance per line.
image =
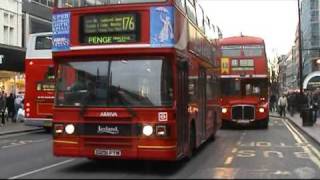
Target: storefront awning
pixel 12 58
pixel 312 81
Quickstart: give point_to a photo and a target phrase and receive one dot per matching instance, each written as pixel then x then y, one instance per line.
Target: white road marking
pixel 298 139
pixel 228 160
pixel 234 150
pixel 20 134
pixel 315 150
pixel 42 169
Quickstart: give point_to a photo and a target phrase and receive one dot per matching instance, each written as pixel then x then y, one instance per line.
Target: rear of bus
pixel 39 92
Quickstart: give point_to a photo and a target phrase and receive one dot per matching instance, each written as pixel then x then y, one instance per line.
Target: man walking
pixel 2 107
pixel 283 103
pixel 10 106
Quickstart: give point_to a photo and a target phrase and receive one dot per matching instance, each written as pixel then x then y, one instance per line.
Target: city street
pixel 280 152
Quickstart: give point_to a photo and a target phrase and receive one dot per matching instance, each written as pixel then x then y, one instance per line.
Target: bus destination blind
pixel 109 29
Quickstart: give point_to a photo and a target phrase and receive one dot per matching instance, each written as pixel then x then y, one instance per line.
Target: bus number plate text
pixel 107 152
pixel 243 121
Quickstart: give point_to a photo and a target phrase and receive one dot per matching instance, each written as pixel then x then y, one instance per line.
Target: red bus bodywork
pixel 189 122
pixel 39 82
pixel 243 107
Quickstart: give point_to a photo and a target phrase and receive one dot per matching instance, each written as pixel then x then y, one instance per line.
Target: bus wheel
pixel 48 129
pixel 192 143
pixel 264 124
pixel 225 125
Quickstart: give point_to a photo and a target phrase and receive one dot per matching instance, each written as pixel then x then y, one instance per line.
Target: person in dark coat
pixel 10 106
pixel 2 107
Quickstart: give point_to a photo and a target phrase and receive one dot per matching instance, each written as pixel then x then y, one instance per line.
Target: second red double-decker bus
pixel 39 83
pixel 135 79
pixel 244 81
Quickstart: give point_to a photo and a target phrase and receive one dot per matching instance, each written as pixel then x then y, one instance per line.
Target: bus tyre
pixel 225 125
pixel 48 129
pixel 264 124
pixel 192 140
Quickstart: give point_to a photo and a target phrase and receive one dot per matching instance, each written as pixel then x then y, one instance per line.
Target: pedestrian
pixel 315 106
pixel 2 108
pixel 10 107
pixel 17 105
pixel 290 104
pixel 282 103
pixel 272 102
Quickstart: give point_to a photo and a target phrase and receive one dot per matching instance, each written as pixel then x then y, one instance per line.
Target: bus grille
pixel 243 112
pixel 108 142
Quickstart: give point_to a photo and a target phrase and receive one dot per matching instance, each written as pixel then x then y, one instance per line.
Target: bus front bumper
pixel 38 122
pixel 72 148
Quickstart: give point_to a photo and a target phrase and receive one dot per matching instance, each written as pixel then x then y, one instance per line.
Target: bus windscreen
pixel 244 87
pixel 121 83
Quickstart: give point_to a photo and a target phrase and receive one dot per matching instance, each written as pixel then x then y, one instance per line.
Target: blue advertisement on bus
pixel 161 24
pixel 61 31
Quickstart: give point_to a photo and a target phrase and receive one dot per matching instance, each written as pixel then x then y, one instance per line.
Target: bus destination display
pixel 109 28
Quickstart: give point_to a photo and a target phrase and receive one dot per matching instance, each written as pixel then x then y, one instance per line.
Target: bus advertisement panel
pixel 131 84
pixel 244 81
pixel 39 70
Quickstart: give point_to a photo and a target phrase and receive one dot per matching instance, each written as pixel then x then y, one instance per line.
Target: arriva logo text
pixel 108 130
pixel 108 114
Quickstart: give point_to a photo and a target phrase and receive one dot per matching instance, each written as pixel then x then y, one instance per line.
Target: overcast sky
pixel 273 20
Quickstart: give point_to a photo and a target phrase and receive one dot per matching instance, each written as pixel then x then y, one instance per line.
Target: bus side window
pixel 181 4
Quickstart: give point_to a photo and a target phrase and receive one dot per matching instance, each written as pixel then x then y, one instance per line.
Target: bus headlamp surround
pixel 147 130
pixel 69 129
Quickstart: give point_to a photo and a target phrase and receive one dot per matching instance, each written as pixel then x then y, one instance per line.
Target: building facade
pixel 310 30
pixel 282 69
pixel 18 19
pixel 36 17
pixel 291 70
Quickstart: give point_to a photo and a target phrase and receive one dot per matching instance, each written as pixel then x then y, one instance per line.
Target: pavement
pixel 312 131
pixel 17 127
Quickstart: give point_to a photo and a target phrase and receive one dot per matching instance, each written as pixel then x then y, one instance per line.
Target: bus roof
pixel 238 40
pixel 32 52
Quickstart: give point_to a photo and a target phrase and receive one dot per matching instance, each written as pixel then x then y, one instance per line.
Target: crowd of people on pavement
pixel 9 106
pixel 293 103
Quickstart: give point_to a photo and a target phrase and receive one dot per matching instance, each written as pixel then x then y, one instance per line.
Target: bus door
pixel 182 103
pixel 202 102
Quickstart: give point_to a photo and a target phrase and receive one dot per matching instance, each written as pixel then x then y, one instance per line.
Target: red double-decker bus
pixel 244 81
pixel 135 79
pixel 39 82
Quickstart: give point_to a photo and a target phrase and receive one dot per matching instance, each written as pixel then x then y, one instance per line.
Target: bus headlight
pixel 224 110
pixel 69 129
pixel 147 130
pixel 261 110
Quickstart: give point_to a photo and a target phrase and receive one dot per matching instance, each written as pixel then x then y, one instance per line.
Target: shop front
pixel 12 76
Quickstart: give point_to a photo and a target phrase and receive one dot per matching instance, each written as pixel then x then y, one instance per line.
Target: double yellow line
pixel 308 148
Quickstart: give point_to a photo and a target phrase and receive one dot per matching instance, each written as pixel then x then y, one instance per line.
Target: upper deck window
pixel 253 50
pixel 181 4
pixel 231 51
pixel 43 42
pixel 86 3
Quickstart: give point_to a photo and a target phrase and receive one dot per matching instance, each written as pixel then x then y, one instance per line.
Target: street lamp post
pixel 300 50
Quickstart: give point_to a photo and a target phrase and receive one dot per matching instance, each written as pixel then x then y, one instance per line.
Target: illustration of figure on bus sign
pixel 162 34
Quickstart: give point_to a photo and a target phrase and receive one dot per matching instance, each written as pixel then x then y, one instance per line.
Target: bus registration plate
pixel 243 121
pixel 107 152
